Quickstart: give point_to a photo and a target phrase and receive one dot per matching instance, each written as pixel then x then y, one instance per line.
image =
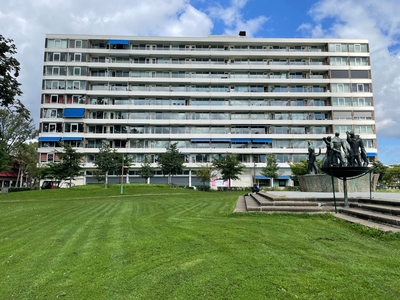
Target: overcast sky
pixel 27 22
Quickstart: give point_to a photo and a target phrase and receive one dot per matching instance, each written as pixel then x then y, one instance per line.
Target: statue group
pixel 339 153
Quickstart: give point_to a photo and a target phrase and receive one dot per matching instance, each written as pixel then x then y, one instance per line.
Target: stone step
pixel 260 199
pixel 251 204
pixel 240 205
pixel 385 209
pixel 372 216
pixel 301 209
pixel 302 203
pixel 367 223
pixel 380 201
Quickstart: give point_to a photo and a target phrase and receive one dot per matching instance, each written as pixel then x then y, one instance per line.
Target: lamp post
pixel 122 176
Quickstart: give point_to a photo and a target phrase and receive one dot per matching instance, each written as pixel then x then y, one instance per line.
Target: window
pixel 338 61
pixel 361 101
pixel 77 71
pixel 340 87
pixel 56 56
pixel 56 43
pixel 337 47
pixel 343 128
pixel 282 158
pixel 358 61
pixel 363 129
pixel 360 87
pixel 357 48
pixel 340 101
pixel 78 43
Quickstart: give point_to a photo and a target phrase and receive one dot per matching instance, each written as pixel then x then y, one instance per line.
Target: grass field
pixel 161 243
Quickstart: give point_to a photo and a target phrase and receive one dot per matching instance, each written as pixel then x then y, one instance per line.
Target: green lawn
pixel 162 243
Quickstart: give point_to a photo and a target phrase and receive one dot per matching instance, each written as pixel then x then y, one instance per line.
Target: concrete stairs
pixel 381 214
pixel 384 214
pixel 268 203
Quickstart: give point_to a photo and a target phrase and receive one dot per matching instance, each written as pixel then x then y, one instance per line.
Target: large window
pixel 340 87
pixel 361 101
pixel 340 101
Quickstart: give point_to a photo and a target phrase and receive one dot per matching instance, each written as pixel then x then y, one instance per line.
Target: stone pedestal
pixel 323 183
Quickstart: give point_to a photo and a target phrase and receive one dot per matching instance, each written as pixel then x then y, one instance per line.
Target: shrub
pixel 18 189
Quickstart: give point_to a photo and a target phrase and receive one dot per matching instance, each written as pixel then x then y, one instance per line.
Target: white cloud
pixel 379 22
pixel 234 20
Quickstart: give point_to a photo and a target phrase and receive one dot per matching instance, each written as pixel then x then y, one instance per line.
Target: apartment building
pixel 210 95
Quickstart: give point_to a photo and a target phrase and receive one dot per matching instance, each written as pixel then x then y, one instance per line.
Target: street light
pixel 121 192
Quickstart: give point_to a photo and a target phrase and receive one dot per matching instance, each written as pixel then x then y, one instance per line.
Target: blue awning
pixel 220 140
pixel 121 42
pixel 372 154
pixel 74 112
pixel 280 177
pixel 262 140
pixel 49 139
pixel 72 138
pixel 199 140
pixel 241 140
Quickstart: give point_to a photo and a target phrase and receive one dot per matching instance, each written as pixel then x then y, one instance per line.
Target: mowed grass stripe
pixel 179 244
pixel 55 242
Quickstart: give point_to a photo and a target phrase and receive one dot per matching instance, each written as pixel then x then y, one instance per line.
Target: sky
pixel 28 21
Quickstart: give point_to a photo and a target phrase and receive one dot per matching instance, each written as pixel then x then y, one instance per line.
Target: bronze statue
pixel 337 155
pixel 329 152
pixel 358 155
pixel 312 160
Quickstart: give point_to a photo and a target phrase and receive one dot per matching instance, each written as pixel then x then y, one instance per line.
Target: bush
pixel 17 189
pixel 204 188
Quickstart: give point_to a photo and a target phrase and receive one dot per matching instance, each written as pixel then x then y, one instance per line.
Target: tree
pixel 15 130
pixel 205 173
pixel 69 166
pixel 26 156
pixel 171 162
pixel 107 160
pixel 146 170
pixel 379 168
pixel 298 169
pixel 5 158
pixel 99 176
pixel 271 169
pixel 9 85
pixel 229 167
pixel 392 175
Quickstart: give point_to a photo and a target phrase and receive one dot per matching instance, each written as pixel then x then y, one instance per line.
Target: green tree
pixel 107 160
pixel 15 130
pixel 26 155
pixel 229 167
pixel 205 173
pixel 171 162
pixel 146 170
pixel 9 72
pixel 379 168
pixel 271 169
pixel 298 169
pixel 392 175
pixel 5 158
pixel 99 176
pixel 69 165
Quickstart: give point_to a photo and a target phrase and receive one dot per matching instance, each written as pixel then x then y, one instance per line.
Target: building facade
pixel 210 95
